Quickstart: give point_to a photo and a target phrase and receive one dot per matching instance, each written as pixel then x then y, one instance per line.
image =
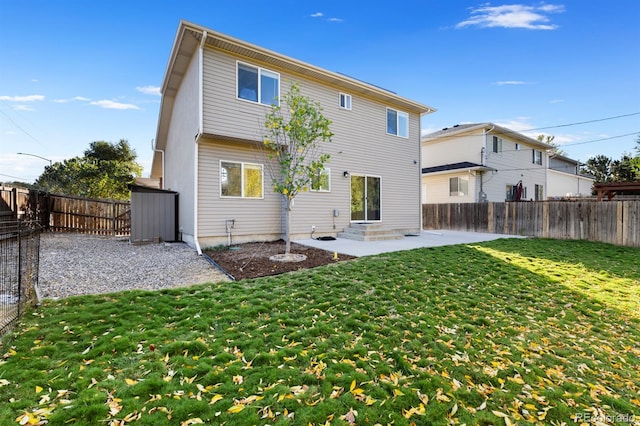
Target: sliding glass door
pixel 365 198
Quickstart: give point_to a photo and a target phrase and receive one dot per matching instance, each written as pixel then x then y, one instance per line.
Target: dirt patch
pixel 251 260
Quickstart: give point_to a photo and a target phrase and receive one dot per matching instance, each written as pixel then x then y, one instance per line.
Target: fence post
pixel 620 228
pixel 19 232
pixel 490 218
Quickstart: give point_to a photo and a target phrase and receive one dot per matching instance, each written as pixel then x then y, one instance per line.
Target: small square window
pixel 345 101
pixel 458 187
pixel 517 147
pixel 397 123
pixel 321 181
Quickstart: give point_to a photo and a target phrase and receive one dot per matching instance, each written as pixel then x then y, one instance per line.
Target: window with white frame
pixel 497 144
pixel 537 157
pixel 458 186
pixel 257 84
pixel 539 189
pixel 345 101
pixel 321 181
pixel 517 147
pixel 241 180
pixel 397 123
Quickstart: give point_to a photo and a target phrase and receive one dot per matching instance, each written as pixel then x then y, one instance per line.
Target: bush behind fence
pixel 615 222
pixel 19 262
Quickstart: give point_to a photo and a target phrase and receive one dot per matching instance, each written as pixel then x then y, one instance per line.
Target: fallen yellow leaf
pixel 235 409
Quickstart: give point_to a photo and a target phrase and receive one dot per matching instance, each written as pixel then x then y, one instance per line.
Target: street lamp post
pixel 34 155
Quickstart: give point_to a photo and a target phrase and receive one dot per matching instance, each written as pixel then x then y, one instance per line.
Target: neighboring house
pixel 565 180
pixel 470 163
pixel 215 95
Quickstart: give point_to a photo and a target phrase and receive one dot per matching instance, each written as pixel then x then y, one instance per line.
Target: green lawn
pixel 506 332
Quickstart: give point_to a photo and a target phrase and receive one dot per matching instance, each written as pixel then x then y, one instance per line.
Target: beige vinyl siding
pixel 437 190
pixel 255 219
pixel 512 166
pixel 224 114
pixel 180 151
pixel 454 149
pixel 360 146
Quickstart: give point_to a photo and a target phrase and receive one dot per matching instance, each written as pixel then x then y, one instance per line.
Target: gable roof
pixel 489 128
pixel 455 166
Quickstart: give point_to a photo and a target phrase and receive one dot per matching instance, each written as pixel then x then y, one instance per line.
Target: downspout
pixel 197 139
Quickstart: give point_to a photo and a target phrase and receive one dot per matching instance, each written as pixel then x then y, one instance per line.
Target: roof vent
pixel 457 125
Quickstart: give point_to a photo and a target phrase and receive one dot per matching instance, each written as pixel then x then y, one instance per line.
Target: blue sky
pixel 73 72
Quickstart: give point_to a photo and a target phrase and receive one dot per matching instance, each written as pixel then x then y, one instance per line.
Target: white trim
pixel 242 196
pixel 259 88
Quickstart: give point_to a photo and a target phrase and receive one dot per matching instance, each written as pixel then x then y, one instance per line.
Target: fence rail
pixel 19 262
pixel 615 222
pixel 62 213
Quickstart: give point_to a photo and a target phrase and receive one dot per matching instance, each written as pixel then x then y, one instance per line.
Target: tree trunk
pixel 287 227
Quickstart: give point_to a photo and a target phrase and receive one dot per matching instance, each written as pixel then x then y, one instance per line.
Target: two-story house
pixel 471 163
pixel 215 95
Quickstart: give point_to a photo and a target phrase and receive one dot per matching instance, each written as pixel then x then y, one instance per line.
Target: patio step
pixel 369 232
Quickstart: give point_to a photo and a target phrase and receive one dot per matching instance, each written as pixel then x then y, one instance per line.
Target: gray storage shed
pixel 154 215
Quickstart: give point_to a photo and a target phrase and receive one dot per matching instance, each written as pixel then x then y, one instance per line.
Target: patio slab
pixel 433 238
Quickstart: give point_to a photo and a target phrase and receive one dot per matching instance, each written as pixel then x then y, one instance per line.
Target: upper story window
pixel 537 157
pixel 242 180
pixel 517 147
pixel 321 182
pixel 258 84
pixel 497 144
pixel 345 101
pixel 397 123
pixel 458 186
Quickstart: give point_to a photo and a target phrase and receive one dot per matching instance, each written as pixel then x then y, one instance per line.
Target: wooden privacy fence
pixel 615 222
pixel 89 215
pixel 63 213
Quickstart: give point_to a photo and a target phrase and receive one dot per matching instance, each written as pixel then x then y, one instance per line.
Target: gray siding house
pixel 215 95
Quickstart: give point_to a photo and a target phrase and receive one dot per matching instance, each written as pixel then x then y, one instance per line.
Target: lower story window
pixel 458 186
pixel 243 180
pixel 321 181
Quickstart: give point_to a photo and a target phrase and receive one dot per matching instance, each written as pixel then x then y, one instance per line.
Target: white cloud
pixel 510 83
pixel 29 98
pixel 556 101
pixel 320 15
pixel 512 16
pixel 149 90
pixel 113 105
pixel 75 98
pixel 23 108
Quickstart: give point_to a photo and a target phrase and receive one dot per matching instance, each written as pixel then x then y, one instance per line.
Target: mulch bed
pixel 251 260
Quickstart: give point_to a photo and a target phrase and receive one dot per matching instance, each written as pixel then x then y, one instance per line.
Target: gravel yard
pixel 75 264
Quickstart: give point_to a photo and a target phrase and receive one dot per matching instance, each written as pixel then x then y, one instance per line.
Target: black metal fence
pixel 19 262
